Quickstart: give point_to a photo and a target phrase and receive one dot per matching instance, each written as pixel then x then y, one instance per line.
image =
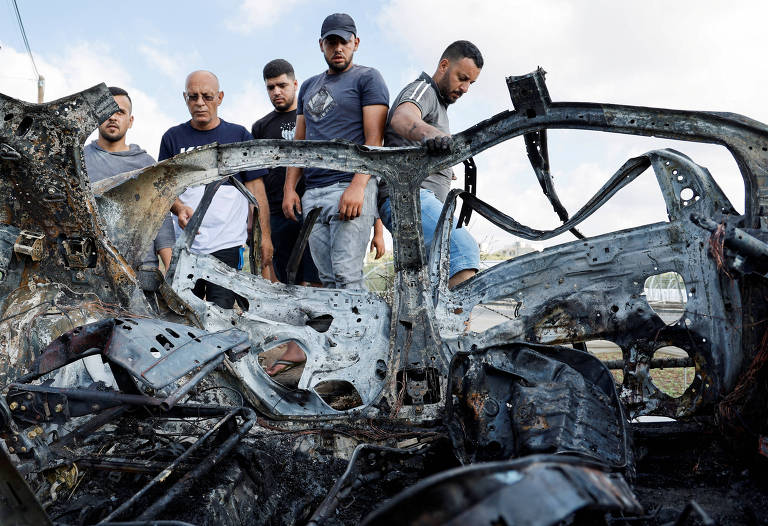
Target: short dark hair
pixel 463 49
pixel 277 67
pixel 115 91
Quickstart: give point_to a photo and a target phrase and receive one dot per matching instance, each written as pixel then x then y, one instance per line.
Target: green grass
pixel 672 381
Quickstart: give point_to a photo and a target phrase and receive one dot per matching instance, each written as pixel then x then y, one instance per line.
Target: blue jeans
pixel 285 233
pixel 338 247
pixel 465 254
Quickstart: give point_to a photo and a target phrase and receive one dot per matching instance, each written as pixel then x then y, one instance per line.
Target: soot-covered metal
pixel 116 410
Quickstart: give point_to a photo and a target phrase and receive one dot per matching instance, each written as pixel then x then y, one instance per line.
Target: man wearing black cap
pixel 347 101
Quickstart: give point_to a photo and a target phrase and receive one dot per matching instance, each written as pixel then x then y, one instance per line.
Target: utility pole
pixel 40 78
pixel 40 88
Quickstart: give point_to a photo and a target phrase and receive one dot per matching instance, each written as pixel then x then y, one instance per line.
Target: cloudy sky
pixel 698 55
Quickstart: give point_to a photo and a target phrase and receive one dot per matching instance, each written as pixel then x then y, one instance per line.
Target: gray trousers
pixel 338 247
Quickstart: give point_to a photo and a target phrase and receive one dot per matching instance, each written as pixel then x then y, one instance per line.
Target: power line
pixel 24 37
pixel 40 78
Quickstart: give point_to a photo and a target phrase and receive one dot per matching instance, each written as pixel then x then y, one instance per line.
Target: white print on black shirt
pixel 189 149
pixel 288 130
pixel 320 104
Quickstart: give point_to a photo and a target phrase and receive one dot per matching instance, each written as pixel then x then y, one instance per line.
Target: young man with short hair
pixel 110 155
pixel 347 101
pixel 282 85
pixel 419 115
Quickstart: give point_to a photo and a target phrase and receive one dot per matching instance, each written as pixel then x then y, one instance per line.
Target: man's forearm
pixel 266 230
pixel 176 206
pixel 415 130
pixel 421 130
pixel 407 122
pixel 360 180
pixel 292 176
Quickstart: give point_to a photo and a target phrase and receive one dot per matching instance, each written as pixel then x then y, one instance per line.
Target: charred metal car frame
pixel 570 293
pixel 66 259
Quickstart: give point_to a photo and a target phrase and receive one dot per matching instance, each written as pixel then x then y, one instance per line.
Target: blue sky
pixel 702 55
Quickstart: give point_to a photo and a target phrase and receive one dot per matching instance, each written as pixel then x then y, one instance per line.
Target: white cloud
pixel 256 14
pixel 649 53
pixel 245 104
pixel 78 67
pixel 697 55
pixel 174 65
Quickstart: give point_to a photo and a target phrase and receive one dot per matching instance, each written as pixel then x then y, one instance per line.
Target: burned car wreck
pixel 115 410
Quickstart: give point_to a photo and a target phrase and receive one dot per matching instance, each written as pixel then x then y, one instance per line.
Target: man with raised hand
pixel 419 116
pixel 110 155
pixel 347 101
pixel 223 230
pixel 282 85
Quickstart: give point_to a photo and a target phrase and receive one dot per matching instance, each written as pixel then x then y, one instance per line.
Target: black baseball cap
pixel 340 24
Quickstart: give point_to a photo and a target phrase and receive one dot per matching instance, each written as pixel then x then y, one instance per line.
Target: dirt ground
pixel 732 489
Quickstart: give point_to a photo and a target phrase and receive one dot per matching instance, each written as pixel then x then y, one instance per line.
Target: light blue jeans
pixel 465 254
pixel 338 247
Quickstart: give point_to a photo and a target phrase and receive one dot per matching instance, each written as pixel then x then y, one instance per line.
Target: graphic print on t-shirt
pixel 320 104
pixel 189 149
pixel 288 130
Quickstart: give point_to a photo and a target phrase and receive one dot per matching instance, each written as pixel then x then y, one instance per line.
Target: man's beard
pixel 284 106
pixel 443 88
pixel 336 67
pixel 113 137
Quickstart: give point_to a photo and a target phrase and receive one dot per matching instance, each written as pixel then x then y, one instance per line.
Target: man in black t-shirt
pixel 280 124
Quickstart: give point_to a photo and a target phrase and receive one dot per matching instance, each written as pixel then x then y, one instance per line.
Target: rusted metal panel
pixel 524 399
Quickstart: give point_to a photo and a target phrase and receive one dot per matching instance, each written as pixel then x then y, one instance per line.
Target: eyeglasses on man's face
pixel 207 97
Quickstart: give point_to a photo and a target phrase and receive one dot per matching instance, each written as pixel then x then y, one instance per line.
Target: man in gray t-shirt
pixel 419 116
pixel 424 94
pixel 109 155
pixel 346 101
